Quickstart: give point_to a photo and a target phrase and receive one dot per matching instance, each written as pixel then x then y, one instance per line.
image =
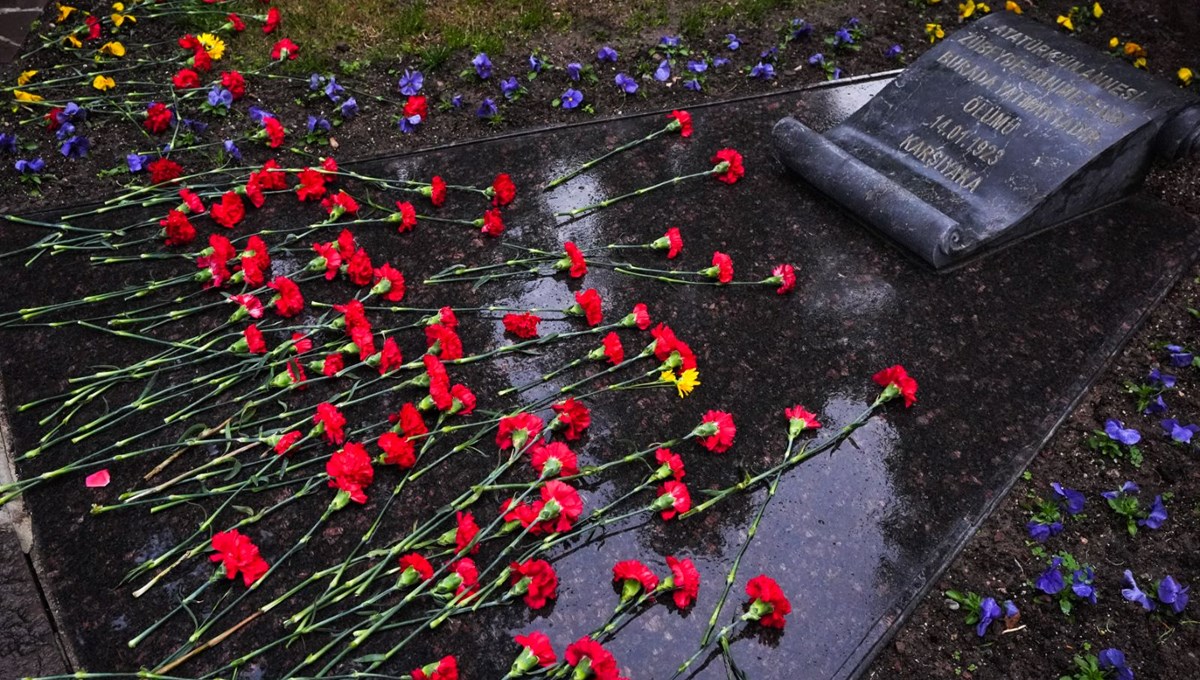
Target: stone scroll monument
pixel 1005 128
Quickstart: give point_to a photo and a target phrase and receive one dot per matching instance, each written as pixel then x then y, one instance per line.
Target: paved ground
pixel 15 16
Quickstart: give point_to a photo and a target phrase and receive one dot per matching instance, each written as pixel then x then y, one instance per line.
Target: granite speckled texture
pixel 1002 349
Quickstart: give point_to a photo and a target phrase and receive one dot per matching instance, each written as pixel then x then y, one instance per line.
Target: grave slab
pixel 1003 348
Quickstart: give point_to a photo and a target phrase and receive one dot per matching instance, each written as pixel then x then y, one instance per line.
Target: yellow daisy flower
pixel 113 48
pixel 213 45
pixel 1012 7
pixel 103 83
pixel 25 77
pixel 23 96
pixel 1185 76
pixel 684 383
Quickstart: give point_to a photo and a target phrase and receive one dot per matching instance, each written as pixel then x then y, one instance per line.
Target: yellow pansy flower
pixel 23 96
pixel 1133 49
pixel 118 18
pixel 64 11
pixel 1012 7
pixel 1114 42
pixel 935 32
pixel 25 77
pixel 103 83
pixel 113 48
pixel 1065 22
pixel 213 45
pixel 966 9
pixel 1097 10
pixel 72 41
pixel 1140 62
pixel 1185 76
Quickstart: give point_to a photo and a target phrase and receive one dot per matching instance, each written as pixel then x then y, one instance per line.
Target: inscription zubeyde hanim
pixel 976 142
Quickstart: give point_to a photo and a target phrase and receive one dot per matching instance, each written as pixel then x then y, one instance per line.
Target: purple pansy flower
pixel 989 611
pixel 606 53
pixel 487 108
pixel 314 81
pixel 571 98
pixel 1051 581
pixel 76 147
pixel 73 112
pixel 219 96
pixel 1081 584
pixel 669 41
pixel 197 126
pixel 1179 356
pixel 1156 516
pixel 697 66
pixel 483 66
pixel 456 101
pixel 894 52
pixel 1127 488
pixel 232 150
pixel 718 62
pixel 8 142
pixel 1117 432
pixel 573 70
pixel 843 37
pixel 1010 610
pixel 136 162
pixel 1159 378
pixel 1180 433
pixel 663 72
pixel 732 41
pixel 1135 594
pixel 536 63
pixel 411 82
pixel 769 54
pixel 333 90
pixel 801 29
pixel 509 87
pixel 693 85
pixel 1173 593
pixel 1074 499
pixel 629 85
pixel 762 70
pixel 1155 407
pixel 409 124
pixel 1114 659
pixel 349 108
pixel 64 131
pixel 1041 532
pixel 32 167
pixel 316 123
pixel 816 59
pixel 256 114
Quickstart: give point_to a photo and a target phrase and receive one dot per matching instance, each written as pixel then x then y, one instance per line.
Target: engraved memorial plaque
pixel 1005 128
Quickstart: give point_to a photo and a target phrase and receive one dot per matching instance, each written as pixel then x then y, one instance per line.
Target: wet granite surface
pixel 1002 349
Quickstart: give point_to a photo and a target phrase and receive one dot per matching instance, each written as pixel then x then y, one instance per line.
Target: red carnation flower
pixel 229 211
pixel 236 22
pixel 437 191
pixel 273 20
pixel 468 574
pixel 536 580
pixel 418 564
pixel 559 456
pixel 728 167
pixel 329 164
pixel 515 431
pixel 783 275
pixel 670 465
pixel 248 305
pixel 523 513
pixel 896 381
pixel 350 471
pixel 439 383
pixel 684 119
pixel 274 131
pixel 237 553
pixel 666 344
pixel 444 342
pixel 405 216
pixel 446 317
pixel 254 340
pixel 286 442
pixel 389 283
pixel 674 242
pixel 179 230
pixel 416 106
pixel 340 204
pixel 359 269
pixel 256 261
pixel 768 604
pixel 397 450
pixel 537 649
pixel 93 25
pixel 164 170
pixel 158 117
pixel 285 49
pixel 716 431
pixel 600 660
pixel 503 190
pixel 800 420
pixel 464 400
pixel 288 301
pixel 191 201
pixel 572 417
pixel 300 343
pixel 493 223
pixel 295 373
pixel 633 575
pixel 561 497
pixel 411 422
pixel 446 669
pixel 587 305
pixel 574 263
pixel 332 364
pixel 390 358
pixel 235 83
pixel 465 532
pixel 271 177
pixel 686 579
pixel 312 184
pixel 329 257
pixel 522 325
pixel 186 79
pixel 330 421
pixel 721 269
pixel 254 190
pixel 673 499
pixel 639 317
pixel 613 351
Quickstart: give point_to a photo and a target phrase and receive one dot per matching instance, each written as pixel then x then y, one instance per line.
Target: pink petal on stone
pixel 97 479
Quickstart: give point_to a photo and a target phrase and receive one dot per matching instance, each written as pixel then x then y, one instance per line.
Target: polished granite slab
pixel 1002 348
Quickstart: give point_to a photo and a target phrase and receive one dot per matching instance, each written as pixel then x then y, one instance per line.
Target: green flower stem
pixel 595 161
pixel 183 604
pixel 722 635
pixel 644 190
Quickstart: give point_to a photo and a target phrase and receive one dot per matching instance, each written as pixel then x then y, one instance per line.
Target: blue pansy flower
pixel 573 70
pixel 1155 407
pixel 770 54
pixel 136 162
pixel 669 41
pixel 1173 593
pixel 8 142
pixel 732 41
pixel 718 62
pixel 232 149
pixel 1179 356
pixel 73 112
pixel 1010 610
pixel 349 108
pixel 1127 488
pixel 606 53
pixel 314 82
pixel 333 90
pixel 801 29
pixel 1159 378
pixel 571 98
pixel 1041 532
pixel 1180 433
pixel 663 72
pixel 411 82
pixel 76 147
pixel 219 96
pixel 315 123
pixel 32 167
pixel 693 85
pixel 256 114
pixel 65 130
pixel 487 108
pixel 894 52
pixel 535 63
pixel 1051 580
pixel 456 101
pixel 509 87
pixel 409 124
pixel 762 70
pixel 1114 659
pixel 1156 516
pixel 1117 432
pixel 629 85
pixel 1135 594
pixel 843 37
pixel 483 66
pixel 699 66
pixel 1081 584
pixel 989 611
pixel 816 59
pixel 1074 499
